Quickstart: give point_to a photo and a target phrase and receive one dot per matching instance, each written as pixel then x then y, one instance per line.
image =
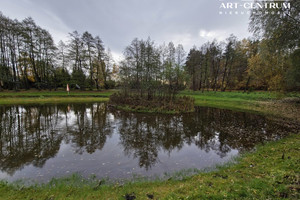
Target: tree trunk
pixel 224 75
pixel 247 84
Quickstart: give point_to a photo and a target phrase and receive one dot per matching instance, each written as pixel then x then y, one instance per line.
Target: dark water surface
pixel 44 141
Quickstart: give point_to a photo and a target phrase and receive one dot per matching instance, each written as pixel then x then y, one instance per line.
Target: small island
pixel 156 104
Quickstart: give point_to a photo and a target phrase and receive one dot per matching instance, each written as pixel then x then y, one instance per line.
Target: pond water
pixel 38 142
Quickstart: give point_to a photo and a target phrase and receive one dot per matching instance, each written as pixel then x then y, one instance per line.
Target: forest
pixel 30 58
pixel 270 60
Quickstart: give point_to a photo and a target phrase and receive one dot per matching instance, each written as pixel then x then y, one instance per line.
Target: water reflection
pixel 90 128
pixel 27 136
pixel 31 135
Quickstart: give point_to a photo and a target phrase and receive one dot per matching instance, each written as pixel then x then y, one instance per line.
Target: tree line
pixel 243 65
pixel 29 58
pixel 270 60
pixel 222 65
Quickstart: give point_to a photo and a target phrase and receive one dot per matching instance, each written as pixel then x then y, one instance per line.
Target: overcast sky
pixel 118 22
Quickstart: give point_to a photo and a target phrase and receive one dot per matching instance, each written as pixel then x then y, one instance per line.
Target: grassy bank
pixel 38 97
pixel 271 172
pixel 267 103
pixel 47 93
pixel 44 100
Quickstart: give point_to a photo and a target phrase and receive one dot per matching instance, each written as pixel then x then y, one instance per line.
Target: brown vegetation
pixel 180 104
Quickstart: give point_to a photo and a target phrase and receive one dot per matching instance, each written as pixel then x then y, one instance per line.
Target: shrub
pixel 180 104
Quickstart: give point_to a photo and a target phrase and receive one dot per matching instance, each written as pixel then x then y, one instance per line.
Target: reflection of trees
pixel 33 134
pixel 223 130
pixel 143 136
pixel 91 127
pixel 27 136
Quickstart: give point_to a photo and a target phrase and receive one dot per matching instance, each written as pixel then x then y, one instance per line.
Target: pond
pixel 39 142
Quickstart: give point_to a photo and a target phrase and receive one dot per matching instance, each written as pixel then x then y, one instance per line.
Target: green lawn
pixel 234 95
pixel 47 93
pixel 45 100
pixel 268 103
pixel 34 96
pixel 230 100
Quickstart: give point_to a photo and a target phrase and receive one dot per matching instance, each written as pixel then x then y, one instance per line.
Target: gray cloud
pixel 117 22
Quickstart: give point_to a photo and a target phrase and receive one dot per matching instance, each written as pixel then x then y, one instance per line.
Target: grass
pixel 47 93
pixel 234 95
pixel 43 100
pixel 41 97
pixel 271 172
pixel 267 103
pixel 230 100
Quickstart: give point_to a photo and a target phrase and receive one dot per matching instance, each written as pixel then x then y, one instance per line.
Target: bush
pixel 180 104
